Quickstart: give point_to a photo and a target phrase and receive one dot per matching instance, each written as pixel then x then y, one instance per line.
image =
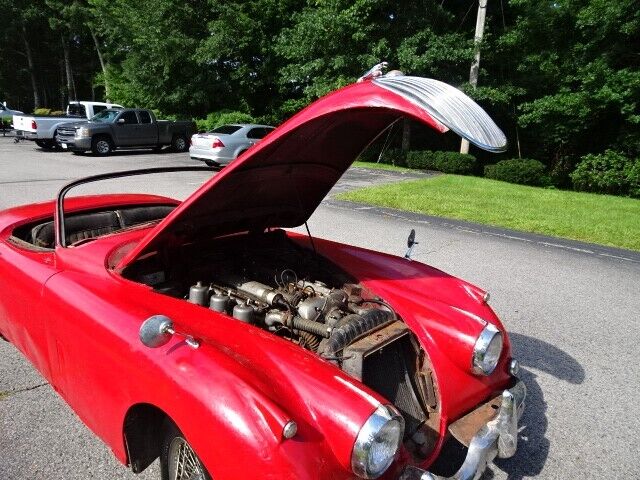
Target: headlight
pixel 487 350
pixel 82 132
pixel 378 442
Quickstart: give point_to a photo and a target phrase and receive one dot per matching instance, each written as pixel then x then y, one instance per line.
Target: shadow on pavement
pixel 533 446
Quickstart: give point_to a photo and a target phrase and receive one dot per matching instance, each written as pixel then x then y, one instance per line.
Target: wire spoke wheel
pixel 183 462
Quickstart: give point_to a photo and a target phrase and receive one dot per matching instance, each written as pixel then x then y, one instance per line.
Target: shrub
pixel 58 113
pixel 608 172
pixel 389 156
pixel 490 171
pixel 633 177
pixel 42 111
pixel 447 162
pixel 524 171
pixel 455 162
pixel 422 159
pixel 222 117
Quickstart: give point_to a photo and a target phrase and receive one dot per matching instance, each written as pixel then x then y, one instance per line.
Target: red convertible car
pixel 204 333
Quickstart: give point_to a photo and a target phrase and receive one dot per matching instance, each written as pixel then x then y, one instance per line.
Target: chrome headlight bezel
pixel 484 360
pixel 385 416
pixel 82 132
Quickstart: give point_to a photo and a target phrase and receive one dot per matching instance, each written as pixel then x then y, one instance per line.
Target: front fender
pixel 233 427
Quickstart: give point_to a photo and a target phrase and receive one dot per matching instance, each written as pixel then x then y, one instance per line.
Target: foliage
pixel 447 162
pixel 223 117
pixel 523 171
pixel 608 172
pixel 386 156
pixel 44 112
pixel 562 78
pixel 422 159
pixel 579 69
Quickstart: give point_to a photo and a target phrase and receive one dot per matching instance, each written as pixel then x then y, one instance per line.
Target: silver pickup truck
pixel 42 129
pixel 131 128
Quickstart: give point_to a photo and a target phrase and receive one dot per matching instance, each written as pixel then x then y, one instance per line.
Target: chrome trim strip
pixel 449 106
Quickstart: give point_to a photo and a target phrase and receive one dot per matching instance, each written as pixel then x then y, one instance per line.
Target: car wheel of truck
pixel 47 144
pixel 179 143
pixel 178 461
pixel 101 146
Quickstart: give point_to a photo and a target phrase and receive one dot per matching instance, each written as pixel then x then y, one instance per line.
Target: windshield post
pixel 59 224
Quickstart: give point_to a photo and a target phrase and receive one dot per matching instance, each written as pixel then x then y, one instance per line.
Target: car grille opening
pixel 386 361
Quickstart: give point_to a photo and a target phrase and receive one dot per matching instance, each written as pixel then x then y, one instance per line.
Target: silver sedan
pixel 223 144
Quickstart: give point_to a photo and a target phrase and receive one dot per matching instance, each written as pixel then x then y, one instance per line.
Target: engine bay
pixel 270 281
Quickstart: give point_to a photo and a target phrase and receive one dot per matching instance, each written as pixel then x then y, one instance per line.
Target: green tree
pixel 152 46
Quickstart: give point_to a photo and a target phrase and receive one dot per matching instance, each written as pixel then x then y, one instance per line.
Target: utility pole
pixel 475 65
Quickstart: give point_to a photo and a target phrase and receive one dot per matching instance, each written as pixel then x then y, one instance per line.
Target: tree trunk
pixel 61 90
pixel 32 70
pixel 475 65
pixel 102 64
pixel 71 87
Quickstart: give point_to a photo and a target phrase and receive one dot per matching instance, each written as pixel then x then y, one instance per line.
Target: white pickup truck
pixel 43 129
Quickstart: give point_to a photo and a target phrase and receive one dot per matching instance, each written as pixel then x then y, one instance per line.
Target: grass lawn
pixel 380 166
pixel 602 219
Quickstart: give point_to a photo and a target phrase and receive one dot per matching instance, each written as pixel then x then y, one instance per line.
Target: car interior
pixel 88 225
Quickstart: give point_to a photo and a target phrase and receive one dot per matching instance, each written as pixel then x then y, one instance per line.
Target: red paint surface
pixel 77 320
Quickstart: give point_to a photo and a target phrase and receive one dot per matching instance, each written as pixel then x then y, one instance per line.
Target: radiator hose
pixel 351 327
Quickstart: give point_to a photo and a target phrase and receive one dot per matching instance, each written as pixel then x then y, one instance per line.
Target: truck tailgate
pixel 24 123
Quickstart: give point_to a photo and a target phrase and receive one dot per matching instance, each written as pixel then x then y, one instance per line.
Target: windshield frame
pixel 59 214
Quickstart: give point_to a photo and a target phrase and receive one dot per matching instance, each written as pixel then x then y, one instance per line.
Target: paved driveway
pixel 573 313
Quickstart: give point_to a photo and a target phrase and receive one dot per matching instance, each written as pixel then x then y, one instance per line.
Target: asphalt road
pixel 572 310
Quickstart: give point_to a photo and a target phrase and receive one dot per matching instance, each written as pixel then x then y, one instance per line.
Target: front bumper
pixel 497 438
pixel 74 143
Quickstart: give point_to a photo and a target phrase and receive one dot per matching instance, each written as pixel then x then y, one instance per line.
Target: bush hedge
pixel 222 117
pixel 524 171
pixel 389 156
pixel 447 162
pixel 609 172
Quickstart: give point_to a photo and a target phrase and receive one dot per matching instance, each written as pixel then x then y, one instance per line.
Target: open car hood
pixel 282 180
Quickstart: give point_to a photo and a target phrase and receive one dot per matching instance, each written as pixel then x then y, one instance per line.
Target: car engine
pixel 317 317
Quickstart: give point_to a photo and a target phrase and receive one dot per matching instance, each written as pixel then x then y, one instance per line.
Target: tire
pixel 47 144
pixel 174 448
pixel 101 146
pixel 211 163
pixel 180 143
